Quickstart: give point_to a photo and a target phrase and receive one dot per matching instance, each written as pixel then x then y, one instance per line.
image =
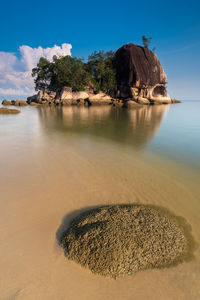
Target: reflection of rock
pixel 140 75
pixel 119 240
pixel 136 126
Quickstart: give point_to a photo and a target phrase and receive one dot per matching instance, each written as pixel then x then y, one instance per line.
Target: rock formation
pixel 140 76
pixel 14 102
pixel 118 240
pixel 67 97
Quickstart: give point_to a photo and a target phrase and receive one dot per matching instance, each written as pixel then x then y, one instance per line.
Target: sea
pixel 57 161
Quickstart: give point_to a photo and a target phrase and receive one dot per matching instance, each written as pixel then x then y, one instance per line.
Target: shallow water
pixel 56 162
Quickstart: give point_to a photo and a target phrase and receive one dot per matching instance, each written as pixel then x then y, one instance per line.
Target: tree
pixel 63 71
pixel 99 72
pixel 146 41
pixel 100 66
pixel 69 71
pixel 42 74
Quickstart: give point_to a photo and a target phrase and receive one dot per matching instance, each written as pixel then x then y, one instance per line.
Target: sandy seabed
pixel 43 187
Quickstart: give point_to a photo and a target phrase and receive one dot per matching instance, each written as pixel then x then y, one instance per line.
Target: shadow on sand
pixel 67 220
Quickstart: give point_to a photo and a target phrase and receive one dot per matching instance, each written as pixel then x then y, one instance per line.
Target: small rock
pixel 144 101
pixel 6 102
pixel 20 103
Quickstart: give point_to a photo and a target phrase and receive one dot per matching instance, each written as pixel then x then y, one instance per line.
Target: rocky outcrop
pixel 140 78
pixel 68 97
pixel 140 75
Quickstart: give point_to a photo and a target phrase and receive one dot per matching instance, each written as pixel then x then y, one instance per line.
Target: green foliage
pixel 146 41
pixel 101 68
pixel 63 71
pixel 70 71
pixel 43 74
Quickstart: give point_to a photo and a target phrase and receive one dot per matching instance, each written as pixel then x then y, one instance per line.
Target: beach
pixel 50 173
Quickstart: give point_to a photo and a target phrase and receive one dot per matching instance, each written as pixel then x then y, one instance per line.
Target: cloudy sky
pixel 15 72
pixel 34 28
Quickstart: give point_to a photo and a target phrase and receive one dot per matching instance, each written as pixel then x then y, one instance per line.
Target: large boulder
pixel 66 93
pixel 140 74
pixel 100 98
pixel 80 95
pixel 46 96
pixel 32 99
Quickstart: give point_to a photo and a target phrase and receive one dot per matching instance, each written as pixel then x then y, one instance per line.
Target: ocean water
pixel 56 161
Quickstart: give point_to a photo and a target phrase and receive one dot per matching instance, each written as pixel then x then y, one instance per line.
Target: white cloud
pixel 15 74
pixel 16 91
pixel 30 56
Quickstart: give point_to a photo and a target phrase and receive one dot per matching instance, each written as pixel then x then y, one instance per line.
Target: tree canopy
pixel 63 71
pixel 73 72
pixel 101 67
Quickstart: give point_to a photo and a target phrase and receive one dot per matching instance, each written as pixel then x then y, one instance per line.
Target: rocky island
pixel 132 76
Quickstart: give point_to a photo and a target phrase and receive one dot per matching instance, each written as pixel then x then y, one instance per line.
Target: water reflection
pixel 135 126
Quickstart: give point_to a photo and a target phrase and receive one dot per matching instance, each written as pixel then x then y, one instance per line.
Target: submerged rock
pixel 118 240
pixel 4 110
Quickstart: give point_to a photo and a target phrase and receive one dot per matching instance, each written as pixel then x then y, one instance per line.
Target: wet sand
pixel 44 179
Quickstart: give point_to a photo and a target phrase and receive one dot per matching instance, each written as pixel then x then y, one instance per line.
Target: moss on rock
pixel 118 240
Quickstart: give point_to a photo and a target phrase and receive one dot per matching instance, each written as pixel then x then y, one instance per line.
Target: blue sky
pixel 95 25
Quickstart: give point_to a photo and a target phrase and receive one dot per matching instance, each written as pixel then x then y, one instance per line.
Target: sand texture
pixel 118 240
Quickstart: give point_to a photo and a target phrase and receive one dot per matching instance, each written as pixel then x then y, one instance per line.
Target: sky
pixel 30 29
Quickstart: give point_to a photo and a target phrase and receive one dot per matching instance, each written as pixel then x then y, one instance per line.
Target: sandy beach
pixel 46 183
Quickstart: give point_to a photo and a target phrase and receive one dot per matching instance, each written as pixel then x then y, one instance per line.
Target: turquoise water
pixel 171 131
pixel 179 135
